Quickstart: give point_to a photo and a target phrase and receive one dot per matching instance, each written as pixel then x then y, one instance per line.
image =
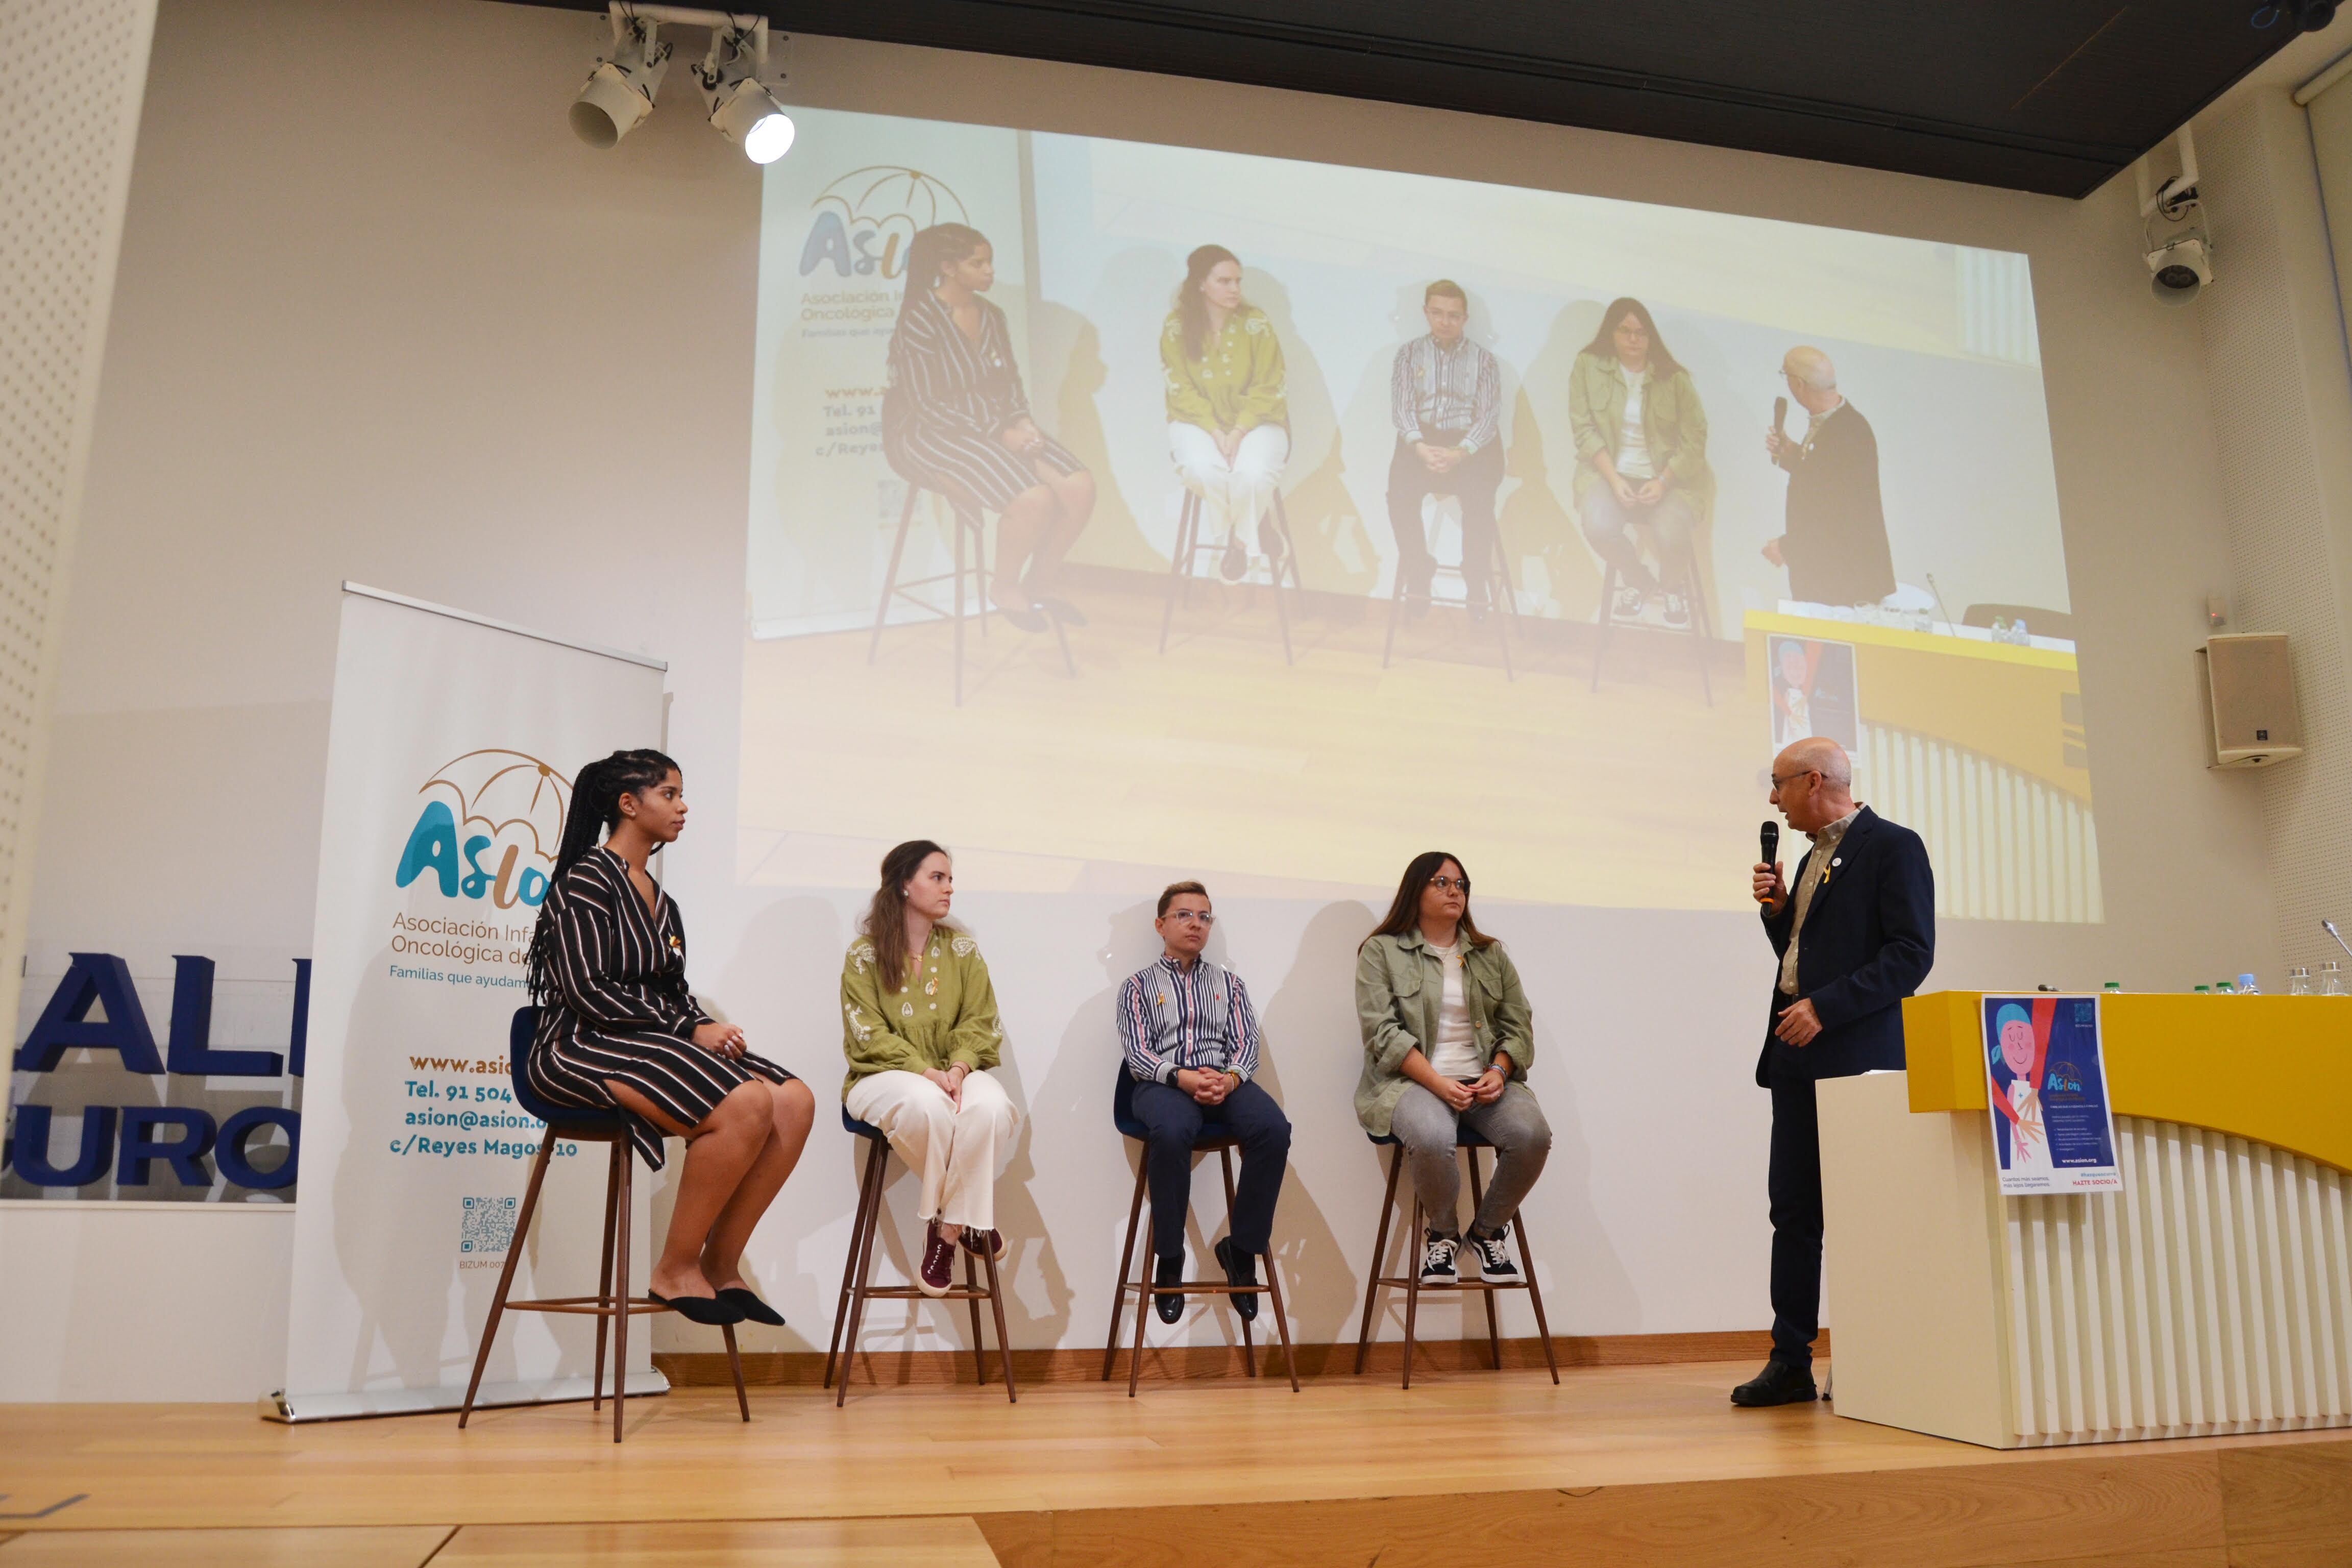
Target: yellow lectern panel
pixel 2277 1069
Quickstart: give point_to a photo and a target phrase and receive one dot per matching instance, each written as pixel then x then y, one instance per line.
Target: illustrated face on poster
pixel 2046 1086
pixel 1813 692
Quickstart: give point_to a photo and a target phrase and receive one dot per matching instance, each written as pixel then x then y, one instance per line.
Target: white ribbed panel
pixel 2213 1295
pixel 1995 290
pixel 2005 845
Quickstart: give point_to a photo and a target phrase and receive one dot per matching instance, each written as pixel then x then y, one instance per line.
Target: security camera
pixel 2179 269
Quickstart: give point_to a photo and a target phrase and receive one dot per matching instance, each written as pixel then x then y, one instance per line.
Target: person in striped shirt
pixel 1191 1045
pixel 1445 397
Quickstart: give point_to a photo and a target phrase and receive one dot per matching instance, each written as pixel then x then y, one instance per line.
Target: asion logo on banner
pixel 486 835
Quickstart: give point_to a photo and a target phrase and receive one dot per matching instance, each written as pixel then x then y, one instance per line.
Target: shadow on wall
pixel 1334 551
pixel 1063 336
pixel 1310 1023
pixel 1571 571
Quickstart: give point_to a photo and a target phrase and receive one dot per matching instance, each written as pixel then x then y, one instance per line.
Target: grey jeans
pixel 1514 1124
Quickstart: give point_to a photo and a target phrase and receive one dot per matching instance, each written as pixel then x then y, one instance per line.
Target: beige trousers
pixel 956 1149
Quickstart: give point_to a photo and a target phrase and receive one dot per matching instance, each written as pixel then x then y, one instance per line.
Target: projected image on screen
pixel 1302 517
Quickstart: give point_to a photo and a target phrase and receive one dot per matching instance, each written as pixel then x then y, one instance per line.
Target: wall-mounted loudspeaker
pixel 2247 689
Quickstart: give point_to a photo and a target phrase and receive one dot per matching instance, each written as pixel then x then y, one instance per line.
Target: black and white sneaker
pixel 1437 1261
pixel 1492 1259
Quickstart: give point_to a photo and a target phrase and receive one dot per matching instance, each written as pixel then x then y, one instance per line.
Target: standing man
pixel 1191 1045
pixel 1835 547
pixel 1858 936
pixel 1446 396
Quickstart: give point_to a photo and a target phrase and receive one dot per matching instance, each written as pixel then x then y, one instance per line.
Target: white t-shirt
pixel 1634 438
pixel 1456 1051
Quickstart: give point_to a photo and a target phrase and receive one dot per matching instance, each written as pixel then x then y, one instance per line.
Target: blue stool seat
pixel 1463 1138
pixel 856 1128
pixel 570 1117
pixel 1214 1134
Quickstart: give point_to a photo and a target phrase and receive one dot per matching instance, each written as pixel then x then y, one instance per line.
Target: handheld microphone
pixel 1769 837
pixel 1780 415
pixel 2329 926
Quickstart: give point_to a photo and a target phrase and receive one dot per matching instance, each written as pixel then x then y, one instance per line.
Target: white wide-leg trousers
pixel 956 1149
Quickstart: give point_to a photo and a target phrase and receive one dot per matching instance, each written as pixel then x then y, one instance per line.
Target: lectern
pixel 2211 1294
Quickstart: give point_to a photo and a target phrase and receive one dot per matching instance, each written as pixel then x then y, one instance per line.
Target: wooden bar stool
pixel 970 530
pixel 1466 1138
pixel 611 1305
pixel 1186 556
pixel 1211 1136
pixel 1702 623
pixel 1501 598
pixel 855 1274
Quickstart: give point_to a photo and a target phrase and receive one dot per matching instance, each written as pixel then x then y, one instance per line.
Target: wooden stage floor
pixel 1618 1466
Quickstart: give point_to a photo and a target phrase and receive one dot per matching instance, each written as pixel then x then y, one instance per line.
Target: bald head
pixel 1812 380
pixel 1811 366
pixel 1812 784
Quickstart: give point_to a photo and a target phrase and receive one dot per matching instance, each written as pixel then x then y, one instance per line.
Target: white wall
pixel 451 352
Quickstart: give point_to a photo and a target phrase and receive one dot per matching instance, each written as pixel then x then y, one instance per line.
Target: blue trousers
pixel 1173 1119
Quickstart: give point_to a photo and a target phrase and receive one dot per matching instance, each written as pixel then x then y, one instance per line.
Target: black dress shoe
pixel 1240 1269
pixel 754 1310
pixel 699 1309
pixel 1777 1383
pixel 1023 618
pixel 1170 1306
pixel 1064 611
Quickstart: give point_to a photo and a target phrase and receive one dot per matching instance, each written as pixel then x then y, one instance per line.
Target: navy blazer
pixel 1869 940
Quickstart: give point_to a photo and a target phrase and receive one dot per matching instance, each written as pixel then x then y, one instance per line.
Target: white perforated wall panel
pixel 68 117
pixel 2266 341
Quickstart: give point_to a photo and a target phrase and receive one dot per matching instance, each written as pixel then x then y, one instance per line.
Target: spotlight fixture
pixel 742 108
pixel 619 92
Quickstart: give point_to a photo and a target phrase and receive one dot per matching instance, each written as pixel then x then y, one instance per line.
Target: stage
pixel 1645 1466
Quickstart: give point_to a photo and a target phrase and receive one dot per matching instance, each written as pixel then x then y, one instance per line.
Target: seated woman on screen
pixel 619 1031
pixel 919 1026
pixel 1448 1039
pixel 1640 449
pixel 956 420
pixel 1228 422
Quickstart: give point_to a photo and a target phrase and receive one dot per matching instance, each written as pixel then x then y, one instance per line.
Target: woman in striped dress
pixel 956 420
pixel 619 1031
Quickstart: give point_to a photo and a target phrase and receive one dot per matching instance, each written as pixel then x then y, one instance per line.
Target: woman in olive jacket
pixel 1447 1040
pixel 1641 458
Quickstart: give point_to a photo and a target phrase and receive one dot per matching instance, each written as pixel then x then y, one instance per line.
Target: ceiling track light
pixel 619 93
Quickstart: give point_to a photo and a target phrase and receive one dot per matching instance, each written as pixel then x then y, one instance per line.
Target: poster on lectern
pixel 2046 1085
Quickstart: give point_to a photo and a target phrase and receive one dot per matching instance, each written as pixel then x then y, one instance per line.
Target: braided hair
pixel 595 812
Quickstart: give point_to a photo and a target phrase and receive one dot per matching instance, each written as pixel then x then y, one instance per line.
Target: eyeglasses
pixel 1447 884
pixel 1780 782
pixel 1193 918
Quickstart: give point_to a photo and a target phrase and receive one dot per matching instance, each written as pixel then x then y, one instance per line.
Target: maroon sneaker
pixel 938 1272
pixel 983 1243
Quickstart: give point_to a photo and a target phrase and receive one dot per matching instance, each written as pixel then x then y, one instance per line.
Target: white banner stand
pixel 450 753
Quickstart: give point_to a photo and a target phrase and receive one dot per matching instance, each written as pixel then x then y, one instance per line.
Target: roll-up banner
pixel 450 751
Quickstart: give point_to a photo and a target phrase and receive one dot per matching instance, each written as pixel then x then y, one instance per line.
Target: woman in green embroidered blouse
pixel 1228 422
pixel 919 1026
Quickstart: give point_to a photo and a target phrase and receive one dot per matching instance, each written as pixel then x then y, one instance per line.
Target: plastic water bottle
pixel 2223 988
pixel 2331 979
pixel 2204 991
pixel 2016 633
pixel 2246 986
pixel 2298 980
pixel 2112 988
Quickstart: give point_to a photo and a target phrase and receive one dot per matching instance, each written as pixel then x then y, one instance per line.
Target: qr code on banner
pixel 490 1226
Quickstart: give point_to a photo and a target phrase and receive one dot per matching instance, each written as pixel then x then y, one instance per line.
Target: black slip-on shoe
pixel 1169 1305
pixel 1777 1383
pixel 699 1309
pixel 1241 1268
pixel 754 1310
